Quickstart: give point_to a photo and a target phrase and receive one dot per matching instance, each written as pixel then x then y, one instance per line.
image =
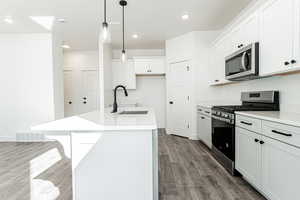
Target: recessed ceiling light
pixel 135 36
pixel 185 17
pixel 65 46
pixel 8 20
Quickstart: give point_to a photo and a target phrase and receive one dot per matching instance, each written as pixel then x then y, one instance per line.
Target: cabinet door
pixel 280 170
pixel 149 66
pixel 248 155
pixel 142 66
pixel 200 127
pixel 124 74
pixel 219 52
pixel 157 66
pixel 277 25
pixel 207 131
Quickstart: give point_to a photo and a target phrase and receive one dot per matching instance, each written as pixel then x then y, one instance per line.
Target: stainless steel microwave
pixel 243 64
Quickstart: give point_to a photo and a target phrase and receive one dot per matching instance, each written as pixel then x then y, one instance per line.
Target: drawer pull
pixel 247 123
pixel 280 133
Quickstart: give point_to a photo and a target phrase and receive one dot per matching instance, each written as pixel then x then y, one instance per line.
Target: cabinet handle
pixel 256 140
pixel 199 109
pixel 286 63
pixel 216 80
pixel 261 142
pixel 84 102
pixel 280 133
pixel 70 102
pixel 202 117
pixel 84 98
pixel 247 123
pixel 171 102
pixel 293 61
pixel 207 112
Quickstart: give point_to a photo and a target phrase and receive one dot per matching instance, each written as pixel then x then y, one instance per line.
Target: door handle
pixel 261 142
pixel 281 133
pixel 247 123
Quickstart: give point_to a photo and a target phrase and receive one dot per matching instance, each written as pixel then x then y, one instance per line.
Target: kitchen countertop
pixel 95 121
pixel 210 104
pixel 287 118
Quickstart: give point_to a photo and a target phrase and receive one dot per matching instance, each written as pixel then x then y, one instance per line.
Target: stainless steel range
pixel 223 123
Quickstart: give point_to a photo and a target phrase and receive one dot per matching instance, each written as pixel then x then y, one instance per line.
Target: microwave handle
pixel 243 61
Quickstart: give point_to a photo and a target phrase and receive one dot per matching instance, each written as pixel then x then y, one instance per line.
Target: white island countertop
pixel 287 118
pixel 97 121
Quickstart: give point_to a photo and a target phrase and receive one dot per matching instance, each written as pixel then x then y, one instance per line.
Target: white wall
pixel 26 82
pixel 150 91
pixel 105 75
pixel 58 78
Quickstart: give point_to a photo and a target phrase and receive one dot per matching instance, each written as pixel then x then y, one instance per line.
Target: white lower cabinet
pixel 204 129
pixel 280 170
pixel 248 155
pixel 270 165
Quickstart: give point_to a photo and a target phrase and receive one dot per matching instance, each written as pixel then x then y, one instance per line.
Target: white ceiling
pixel 153 20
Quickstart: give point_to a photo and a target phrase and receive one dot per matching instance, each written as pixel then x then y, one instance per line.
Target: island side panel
pixel 113 165
pixel 155 165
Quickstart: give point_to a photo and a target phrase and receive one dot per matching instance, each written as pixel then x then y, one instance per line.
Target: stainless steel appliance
pixel 243 64
pixel 223 123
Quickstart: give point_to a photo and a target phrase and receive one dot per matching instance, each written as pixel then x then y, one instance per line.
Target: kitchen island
pixel 114 156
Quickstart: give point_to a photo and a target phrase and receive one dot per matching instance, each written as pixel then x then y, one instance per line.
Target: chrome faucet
pixel 115 105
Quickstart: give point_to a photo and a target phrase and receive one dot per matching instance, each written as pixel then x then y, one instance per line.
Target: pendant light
pixel 123 3
pixel 105 35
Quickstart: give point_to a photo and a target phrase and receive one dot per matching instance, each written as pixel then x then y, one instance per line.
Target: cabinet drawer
pixel 281 132
pixel 248 123
pixel 204 110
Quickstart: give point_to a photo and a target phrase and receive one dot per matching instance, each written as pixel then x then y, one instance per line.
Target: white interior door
pixel 179 99
pixel 89 96
pixel 69 95
pixel 81 90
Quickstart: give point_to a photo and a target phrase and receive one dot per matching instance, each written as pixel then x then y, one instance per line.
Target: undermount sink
pixel 137 112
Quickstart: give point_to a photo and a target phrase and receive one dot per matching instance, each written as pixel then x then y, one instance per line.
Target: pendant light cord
pixel 104 11
pixel 123 29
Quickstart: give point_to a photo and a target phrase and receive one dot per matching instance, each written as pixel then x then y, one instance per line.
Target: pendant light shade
pixel 123 56
pixel 123 3
pixel 105 35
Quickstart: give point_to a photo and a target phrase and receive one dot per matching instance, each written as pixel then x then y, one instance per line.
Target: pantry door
pixel 81 90
pixel 179 94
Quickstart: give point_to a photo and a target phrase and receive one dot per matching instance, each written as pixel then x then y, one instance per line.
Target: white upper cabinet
pixel 217 61
pixel 151 65
pixel 246 33
pixel 279 33
pixel 124 74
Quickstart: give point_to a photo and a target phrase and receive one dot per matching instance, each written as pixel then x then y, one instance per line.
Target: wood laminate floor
pixel 188 172
pixel 40 171
pixel 34 171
